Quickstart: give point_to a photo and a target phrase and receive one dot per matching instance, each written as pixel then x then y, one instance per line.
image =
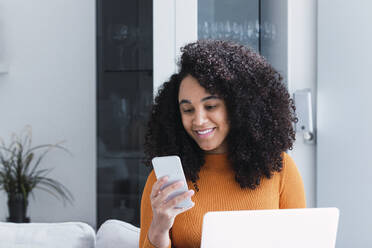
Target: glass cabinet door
pixel 260 24
pixel 235 20
pixel 124 97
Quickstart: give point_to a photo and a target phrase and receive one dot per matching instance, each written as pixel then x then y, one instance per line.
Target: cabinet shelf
pixel 131 70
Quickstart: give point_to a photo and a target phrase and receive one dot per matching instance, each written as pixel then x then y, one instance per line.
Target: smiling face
pixel 204 116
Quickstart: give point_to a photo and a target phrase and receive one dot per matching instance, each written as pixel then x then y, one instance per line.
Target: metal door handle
pixel 302 99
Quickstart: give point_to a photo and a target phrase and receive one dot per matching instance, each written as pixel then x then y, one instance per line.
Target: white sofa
pixel 111 234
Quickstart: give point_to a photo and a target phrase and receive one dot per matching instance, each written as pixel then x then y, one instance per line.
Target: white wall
pixel 302 50
pixel 344 162
pixel 51 83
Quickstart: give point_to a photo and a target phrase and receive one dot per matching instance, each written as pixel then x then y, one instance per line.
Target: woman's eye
pixel 187 110
pixel 209 107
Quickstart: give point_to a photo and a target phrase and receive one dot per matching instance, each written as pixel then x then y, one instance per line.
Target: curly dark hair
pixel 260 111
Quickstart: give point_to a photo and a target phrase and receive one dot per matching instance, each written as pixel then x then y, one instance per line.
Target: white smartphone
pixel 171 166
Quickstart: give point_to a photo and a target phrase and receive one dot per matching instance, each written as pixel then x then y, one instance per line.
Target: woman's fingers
pixel 171 204
pixel 181 210
pixel 157 186
pixel 164 210
pixel 159 198
pixel 169 189
pixel 163 194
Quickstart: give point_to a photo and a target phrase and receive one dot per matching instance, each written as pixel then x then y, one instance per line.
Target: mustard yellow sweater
pixel 218 191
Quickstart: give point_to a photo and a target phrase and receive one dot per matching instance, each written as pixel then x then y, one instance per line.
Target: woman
pixel 229 117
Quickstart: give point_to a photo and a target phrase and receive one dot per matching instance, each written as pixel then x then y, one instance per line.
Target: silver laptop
pixel 284 228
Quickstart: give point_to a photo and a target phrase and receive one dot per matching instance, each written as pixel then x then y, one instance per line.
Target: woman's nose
pixel 200 118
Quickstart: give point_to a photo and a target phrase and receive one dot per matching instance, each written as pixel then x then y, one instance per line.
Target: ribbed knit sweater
pixel 218 191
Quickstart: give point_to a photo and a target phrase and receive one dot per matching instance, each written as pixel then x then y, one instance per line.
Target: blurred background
pixel 86 71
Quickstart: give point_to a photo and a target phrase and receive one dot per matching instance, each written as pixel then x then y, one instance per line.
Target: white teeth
pixel 205 131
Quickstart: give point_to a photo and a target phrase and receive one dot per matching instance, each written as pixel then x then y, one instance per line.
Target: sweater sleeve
pixel 292 194
pixel 146 213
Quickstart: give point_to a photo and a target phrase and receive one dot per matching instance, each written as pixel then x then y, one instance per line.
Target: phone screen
pixel 171 166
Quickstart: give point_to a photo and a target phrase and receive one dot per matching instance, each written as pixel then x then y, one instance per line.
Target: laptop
pixel 284 228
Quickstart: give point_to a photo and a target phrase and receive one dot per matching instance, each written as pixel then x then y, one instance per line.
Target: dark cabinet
pixel 124 97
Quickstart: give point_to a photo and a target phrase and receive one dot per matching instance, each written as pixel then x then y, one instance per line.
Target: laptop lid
pixel 284 228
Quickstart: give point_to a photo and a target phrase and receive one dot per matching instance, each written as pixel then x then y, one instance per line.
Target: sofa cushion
pixel 47 235
pixel 115 233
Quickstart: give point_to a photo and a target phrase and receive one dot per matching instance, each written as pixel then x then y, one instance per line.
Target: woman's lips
pixel 205 132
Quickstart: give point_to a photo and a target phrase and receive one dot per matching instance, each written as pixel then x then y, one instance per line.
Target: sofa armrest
pixel 116 234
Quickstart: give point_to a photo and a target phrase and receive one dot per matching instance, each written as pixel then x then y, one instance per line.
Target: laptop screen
pixel 287 228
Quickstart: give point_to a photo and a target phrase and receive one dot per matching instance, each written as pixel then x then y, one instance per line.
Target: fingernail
pixel 191 192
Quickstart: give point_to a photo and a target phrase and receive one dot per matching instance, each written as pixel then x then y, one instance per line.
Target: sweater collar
pixel 217 161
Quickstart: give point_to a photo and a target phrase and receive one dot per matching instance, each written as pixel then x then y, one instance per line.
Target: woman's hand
pixel 164 212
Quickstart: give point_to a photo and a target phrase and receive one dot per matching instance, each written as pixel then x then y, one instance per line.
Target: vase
pixel 17 206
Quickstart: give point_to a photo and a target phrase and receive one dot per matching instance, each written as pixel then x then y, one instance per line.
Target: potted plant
pixel 20 174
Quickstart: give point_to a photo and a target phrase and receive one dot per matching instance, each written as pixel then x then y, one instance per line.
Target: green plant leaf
pixel 57 187
pixel 51 192
pixel 57 145
pixel 26 134
pixel 5 149
pixel 50 147
pixel 28 160
pixel 19 167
